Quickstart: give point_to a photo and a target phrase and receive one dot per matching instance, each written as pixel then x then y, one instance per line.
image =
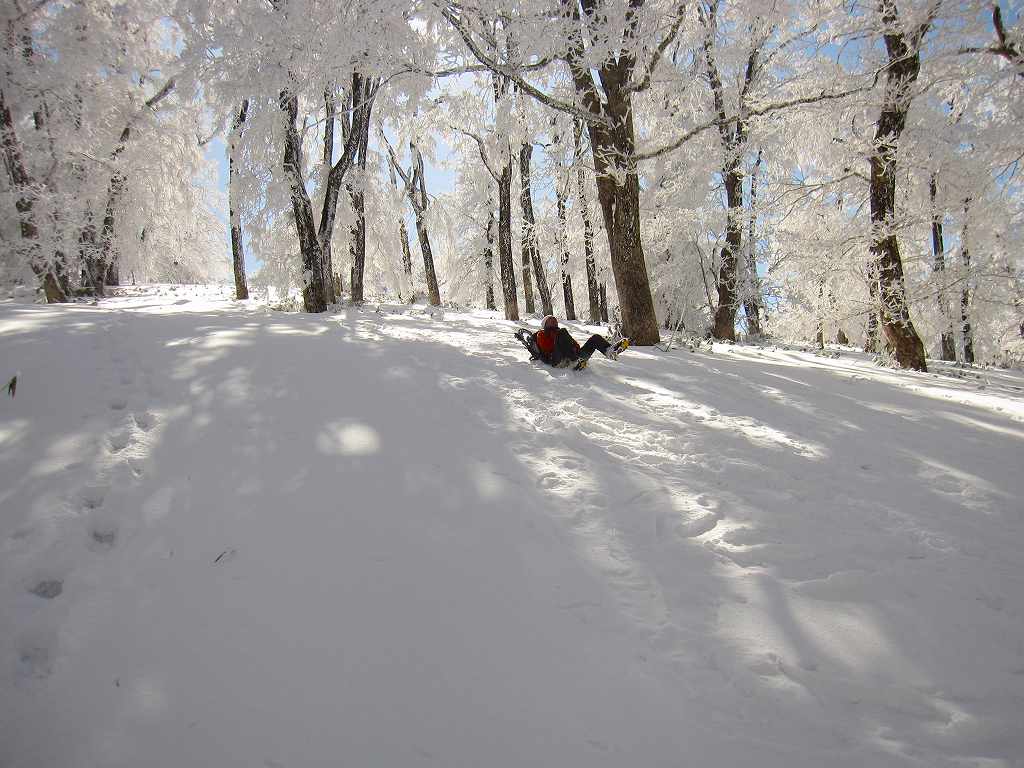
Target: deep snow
pixel 235 537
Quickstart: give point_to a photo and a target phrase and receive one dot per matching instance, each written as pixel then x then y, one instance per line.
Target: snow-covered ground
pixel 236 537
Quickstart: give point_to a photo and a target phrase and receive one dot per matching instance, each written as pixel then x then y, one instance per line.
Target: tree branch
pixel 449 11
pixel 483 152
pixel 659 52
pixel 759 112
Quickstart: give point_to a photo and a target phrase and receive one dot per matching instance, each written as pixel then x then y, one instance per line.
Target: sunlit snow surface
pixel 236 537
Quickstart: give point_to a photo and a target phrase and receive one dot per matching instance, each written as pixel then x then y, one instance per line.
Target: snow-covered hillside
pixel 235 537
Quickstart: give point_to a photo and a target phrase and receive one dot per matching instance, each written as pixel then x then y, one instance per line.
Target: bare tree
pixel 403 232
pixel 904 51
pixel 733 138
pixel 235 222
pixel 607 110
pixel 489 257
pixel 563 247
pixel 752 285
pixel 359 107
pixel 416 192
pixel 593 293
pixel 947 340
pixel 313 239
pixel 965 291
pixel 531 249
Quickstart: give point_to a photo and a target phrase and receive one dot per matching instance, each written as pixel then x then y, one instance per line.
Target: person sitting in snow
pixel 558 348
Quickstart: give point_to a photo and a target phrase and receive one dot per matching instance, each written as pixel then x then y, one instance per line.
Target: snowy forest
pixel 549 383
pixel 830 171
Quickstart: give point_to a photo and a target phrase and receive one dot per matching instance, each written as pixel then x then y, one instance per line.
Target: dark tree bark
pixel 505 264
pixel 526 232
pixel 489 258
pixel 98 266
pixel 314 291
pixel 871 334
pixel 25 188
pixel 593 293
pixel 419 182
pixel 752 289
pixel 563 242
pixel 904 64
pixel 317 288
pixel 357 243
pixel 433 290
pixel 965 292
pixel 360 108
pixel 604 302
pixel 25 204
pixel 403 235
pixel 506 267
pixel 416 193
pixel 531 248
pixel 403 232
pixel 947 340
pixel 819 336
pixel 613 142
pixel 237 253
pixel 733 138
pixel 333 279
pixel 609 117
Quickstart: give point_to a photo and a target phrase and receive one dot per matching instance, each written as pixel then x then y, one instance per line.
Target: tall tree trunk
pixel 403 236
pixel 947 339
pixel 331 280
pixel 965 292
pixel 593 293
pixel 99 259
pixel 314 291
pixel 871 335
pixel 563 243
pixel 604 302
pixel 420 209
pixel 724 324
pixel 433 294
pixel 752 289
pixel 819 336
pixel 505 264
pixel 527 229
pixel 25 204
pixel 26 198
pixel 901 73
pixel 361 105
pixel 356 195
pixel 357 243
pixel 531 248
pixel 321 285
pixel 733 136
pixel 489 258
pixel 618 191
pixel 613 142
pixel 237 252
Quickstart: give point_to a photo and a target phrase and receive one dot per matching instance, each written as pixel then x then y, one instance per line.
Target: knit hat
pixel 552 319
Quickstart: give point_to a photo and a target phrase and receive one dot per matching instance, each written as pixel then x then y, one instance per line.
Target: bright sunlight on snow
pixel 449 556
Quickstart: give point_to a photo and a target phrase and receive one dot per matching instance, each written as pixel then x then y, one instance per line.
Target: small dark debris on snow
pixel 49 589
pixel 226 555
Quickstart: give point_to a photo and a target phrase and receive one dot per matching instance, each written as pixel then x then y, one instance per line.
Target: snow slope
pixel 235 537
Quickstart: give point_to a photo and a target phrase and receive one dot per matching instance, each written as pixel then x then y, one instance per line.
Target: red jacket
pixel 546 340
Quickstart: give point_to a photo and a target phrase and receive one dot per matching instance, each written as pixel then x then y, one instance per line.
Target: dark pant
pixel 566 348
